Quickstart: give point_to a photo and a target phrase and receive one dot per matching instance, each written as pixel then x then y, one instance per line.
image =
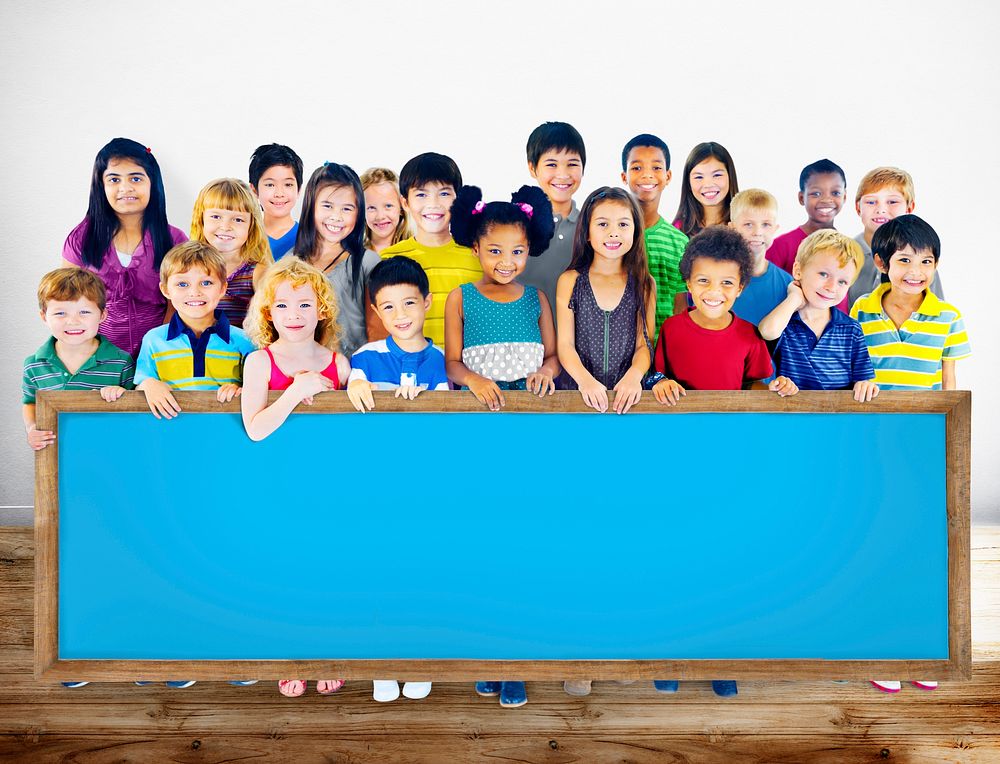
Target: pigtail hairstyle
pixel 528 207
pixel 634 261
pixel 308 243
pixel 103 223
pixel 690 214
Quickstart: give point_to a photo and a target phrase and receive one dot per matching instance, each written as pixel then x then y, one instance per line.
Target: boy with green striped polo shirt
pixel 646 172
pixel 913 337
pixel 71 302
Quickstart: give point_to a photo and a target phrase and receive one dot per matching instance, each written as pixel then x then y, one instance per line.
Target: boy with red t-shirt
pixel 707 347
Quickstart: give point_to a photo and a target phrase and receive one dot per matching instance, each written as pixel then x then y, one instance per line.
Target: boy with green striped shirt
pixel 646 172
pixel 71 302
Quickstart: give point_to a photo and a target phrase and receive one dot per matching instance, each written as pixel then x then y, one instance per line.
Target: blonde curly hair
pixel 259 326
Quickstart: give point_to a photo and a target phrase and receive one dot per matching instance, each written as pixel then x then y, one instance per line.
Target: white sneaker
pixel 886 685
pixel 925 684
pixel 417 690
pixel 385 690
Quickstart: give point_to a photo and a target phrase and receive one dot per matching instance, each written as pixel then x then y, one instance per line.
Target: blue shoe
pixel 243 682
pixel 180 684
pixel 74 685
pixel 666 685
pixel 513 694
pixel 143 684
pixel 724 688
pixel 488 689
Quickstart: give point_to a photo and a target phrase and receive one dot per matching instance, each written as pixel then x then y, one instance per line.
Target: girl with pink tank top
pixel 293 318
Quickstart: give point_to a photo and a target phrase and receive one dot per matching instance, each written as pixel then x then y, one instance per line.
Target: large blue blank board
pixel 503 536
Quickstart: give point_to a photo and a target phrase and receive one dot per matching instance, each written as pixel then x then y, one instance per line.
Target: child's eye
pixel 268 185
pixel 409 303
pixel 182 284
pixel 280 305
pixel 842 282
pixel 445 193
pixel 240 220
pixel 421 194
pixel 494 251
pixel 206 282
pixel 136 179
pixel 837 193
pixel 517 252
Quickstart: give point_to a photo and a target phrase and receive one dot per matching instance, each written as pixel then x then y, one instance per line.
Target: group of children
pixel 530 294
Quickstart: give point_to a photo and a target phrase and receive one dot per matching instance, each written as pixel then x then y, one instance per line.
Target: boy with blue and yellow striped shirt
pixel 914 337
pixel 197 349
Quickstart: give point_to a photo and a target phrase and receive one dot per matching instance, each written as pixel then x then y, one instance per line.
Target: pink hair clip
pixel 480 206
pixel 526 208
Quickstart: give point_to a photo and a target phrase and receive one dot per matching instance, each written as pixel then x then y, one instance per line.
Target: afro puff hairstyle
pixel 721 243
pixel 470 219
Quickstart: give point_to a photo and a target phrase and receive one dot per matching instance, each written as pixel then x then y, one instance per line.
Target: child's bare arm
pixel 259 419
pixel 485 390
pixel 628 391
pixel 37 439
pixel 542 381
pixel 948 379
pixel 159 398
pixel 773 324
pixel 594 393
pixel 680 302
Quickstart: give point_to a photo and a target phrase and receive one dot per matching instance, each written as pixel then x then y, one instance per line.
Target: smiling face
pixel 503 252
pixel 126 186
pixel 714 286
pixel 194 294
pixel 881 206
pixel 430 205
pixel 402 310
pixel 382 210
pixel 709 182
pixel 823 198
pixel 646 173
pixel 910 272
pixel 612 229
pixel 757 227
pixel 226 230
pixel 823 280
pixel 336 214
pixel 294 312
pixel 558 174
pixel 73 322
pixel 277 190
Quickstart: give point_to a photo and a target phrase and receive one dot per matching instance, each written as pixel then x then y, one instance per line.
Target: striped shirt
pixel 109 366
pixel 833 361
pixel 239 290
pixel 664 249
pixel 173 354
pixel 909 358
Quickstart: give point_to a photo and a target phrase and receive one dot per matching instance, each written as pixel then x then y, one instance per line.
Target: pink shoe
pixel 328 686
pixel 924 684
pixel 292 688
pixel 886 685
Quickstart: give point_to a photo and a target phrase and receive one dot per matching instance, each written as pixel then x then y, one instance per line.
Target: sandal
pixel 292 688
pixel 328 686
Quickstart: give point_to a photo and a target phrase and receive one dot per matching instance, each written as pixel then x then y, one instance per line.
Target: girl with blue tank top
pixel 498 333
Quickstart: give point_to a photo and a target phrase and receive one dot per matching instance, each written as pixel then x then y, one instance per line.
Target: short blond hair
pixel 259 327
pixel 886 177
pixel 68 284
pixel 189 255
pixel 827 240
pixel 235 195
pixel 752 199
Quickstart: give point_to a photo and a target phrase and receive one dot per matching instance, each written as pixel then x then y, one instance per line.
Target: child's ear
pixel 910 207
pixel 163 289
pixel 104 315
pixel 428 300
pixel 667 177
pixel 880 264
pixel 802 199
pixel 41 315
pixel 532 171
pixel 796 271
pixel 254 189
pixel 625 178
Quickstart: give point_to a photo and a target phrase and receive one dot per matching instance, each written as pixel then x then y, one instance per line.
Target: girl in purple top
pixel 123 239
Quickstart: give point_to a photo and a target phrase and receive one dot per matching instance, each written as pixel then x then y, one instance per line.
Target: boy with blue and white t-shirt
pixel 405 361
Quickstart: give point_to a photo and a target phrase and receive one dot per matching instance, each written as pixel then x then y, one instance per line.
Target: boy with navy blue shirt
pixel 819 347
pixel 406 361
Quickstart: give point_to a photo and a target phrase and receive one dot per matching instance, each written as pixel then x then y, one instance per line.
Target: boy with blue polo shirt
pixel 819 347
pixel 405 361
pixel 276 177
pixel 913 336
pixel 197 349
pixel 753 215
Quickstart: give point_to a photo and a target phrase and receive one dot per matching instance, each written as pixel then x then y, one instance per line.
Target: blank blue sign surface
pixel 504 536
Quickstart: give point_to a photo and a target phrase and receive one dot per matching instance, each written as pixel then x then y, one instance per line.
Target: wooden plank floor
pixel 772 721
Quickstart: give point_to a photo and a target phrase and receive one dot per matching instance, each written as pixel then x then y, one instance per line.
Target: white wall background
pixel 780 84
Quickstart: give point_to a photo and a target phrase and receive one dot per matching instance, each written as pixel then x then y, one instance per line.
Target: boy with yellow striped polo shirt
pixel 913 337
pixel 197 349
